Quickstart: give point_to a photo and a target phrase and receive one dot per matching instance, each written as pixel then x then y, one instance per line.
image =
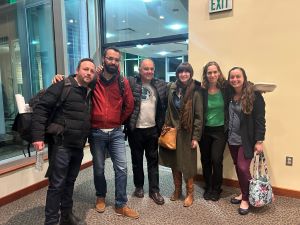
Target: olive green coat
pixel 184 158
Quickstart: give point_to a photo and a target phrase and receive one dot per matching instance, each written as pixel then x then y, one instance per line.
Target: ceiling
pixel 144 19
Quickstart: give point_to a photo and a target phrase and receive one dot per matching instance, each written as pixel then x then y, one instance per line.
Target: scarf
pixel 187 91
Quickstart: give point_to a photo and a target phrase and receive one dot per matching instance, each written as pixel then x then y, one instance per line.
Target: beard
pixel 112 69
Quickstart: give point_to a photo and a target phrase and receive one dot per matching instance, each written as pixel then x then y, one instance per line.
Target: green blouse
pixel 214 116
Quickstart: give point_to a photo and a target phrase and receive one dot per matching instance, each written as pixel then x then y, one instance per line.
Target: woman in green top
pixel 213 139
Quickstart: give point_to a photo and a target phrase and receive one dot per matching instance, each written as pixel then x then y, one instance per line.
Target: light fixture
pixel 141 46
pixel 176 26
pixel 109 35
pixel 71 21
pixel 163 53
pixel 123 21
pixel 148 34
pixel 146 1
pixel 161 17
pixel 34 42
pixel 68 43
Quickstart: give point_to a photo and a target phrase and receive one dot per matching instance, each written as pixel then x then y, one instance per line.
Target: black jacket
pixel 252 126
pixel 136 87
pixel 73 114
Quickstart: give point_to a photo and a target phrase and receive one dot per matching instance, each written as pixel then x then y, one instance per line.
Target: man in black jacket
pixel 144 127
pixel 72 125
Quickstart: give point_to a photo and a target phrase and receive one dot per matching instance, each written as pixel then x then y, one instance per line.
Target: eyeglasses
pixel 111 59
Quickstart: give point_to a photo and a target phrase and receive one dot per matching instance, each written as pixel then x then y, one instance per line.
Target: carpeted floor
pixel 30 209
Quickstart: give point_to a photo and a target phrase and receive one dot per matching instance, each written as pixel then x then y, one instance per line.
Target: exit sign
pixel 11 1
pixel 219 5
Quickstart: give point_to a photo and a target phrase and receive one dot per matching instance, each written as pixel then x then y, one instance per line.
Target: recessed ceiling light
pixel 141 46
pixel 148 34
pixel 163 53
pixel 123 21
pixel 109 35
pixel 34 42
pixel 71 21
pixel 68 43
pixel 176 26
pixel 161 17
pixel 147 1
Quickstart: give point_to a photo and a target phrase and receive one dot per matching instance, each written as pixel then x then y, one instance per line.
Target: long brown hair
pixel 221 79
pixel 247 97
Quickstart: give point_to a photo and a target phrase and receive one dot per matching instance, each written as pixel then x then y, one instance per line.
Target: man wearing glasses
pixel 111 106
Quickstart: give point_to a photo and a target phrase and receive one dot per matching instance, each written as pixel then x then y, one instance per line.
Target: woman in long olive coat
pixel 185 112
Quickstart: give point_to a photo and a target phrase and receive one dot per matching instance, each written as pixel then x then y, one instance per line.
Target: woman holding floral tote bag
pixel 246 114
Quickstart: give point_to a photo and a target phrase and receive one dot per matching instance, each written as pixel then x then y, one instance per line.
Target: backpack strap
pixel 65 92
pixel 121 85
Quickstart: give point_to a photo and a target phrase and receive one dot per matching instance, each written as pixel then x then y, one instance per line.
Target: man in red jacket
pixel 112 104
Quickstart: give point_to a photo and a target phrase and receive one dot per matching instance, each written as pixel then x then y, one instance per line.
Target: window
pixel 77 32
pixel 153 28
pixel 138 19
pixel 27 62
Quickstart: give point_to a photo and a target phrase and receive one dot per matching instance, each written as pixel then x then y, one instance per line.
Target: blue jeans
pixel 114 142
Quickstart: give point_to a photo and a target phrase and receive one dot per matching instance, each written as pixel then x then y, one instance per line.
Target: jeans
pixel 212 147
pixel 144 140
pixel 114 142
pixel 65 164
pixel 242 167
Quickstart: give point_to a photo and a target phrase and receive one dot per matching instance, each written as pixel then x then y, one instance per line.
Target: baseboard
pixel 276 190
pixel 32 188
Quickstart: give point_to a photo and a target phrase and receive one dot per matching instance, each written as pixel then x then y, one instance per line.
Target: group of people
pixel 210 114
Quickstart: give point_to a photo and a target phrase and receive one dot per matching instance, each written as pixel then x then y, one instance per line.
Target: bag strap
pixel 62 97
pixel 257 165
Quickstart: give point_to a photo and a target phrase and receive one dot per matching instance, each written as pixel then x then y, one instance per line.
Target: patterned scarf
pixel 187 103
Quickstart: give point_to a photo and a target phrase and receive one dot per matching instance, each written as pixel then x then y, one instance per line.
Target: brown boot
pixel 100 205
pixel 188 201
pixel 177 178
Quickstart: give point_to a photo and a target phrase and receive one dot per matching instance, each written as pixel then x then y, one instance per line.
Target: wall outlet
pixel 289 161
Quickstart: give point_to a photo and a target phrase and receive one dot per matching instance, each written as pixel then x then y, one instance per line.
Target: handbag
pixel 167 138
pixel 260 189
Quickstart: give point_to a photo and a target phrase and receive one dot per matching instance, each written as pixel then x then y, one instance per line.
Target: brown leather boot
pixel 188 201
pixel 177 178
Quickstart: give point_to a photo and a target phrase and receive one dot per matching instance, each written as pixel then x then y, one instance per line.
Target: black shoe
pixel 215 195
pixel 235 201
pixel 139 192
pixel 207 195
pixel 70 219
pixel 243 211
pixel 157 198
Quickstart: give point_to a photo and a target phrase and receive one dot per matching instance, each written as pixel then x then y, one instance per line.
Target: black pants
pixel 212 147
pixel 65 164
pixel 140 140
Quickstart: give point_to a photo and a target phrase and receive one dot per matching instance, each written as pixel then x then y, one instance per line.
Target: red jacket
pixel 107 104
